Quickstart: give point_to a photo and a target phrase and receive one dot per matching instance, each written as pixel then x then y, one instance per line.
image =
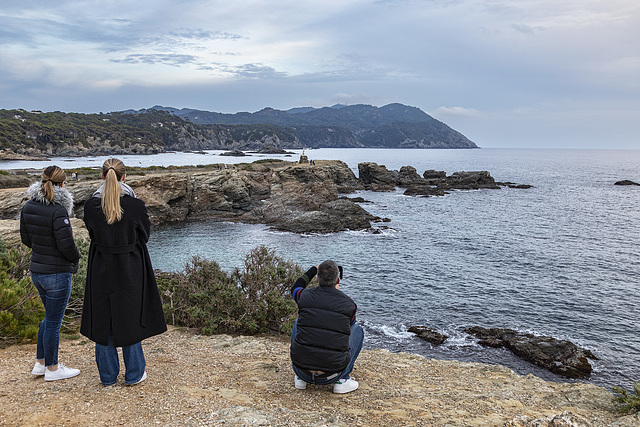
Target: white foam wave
pixel 396 332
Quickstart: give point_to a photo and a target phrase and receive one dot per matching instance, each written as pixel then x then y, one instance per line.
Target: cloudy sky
pixel 506 73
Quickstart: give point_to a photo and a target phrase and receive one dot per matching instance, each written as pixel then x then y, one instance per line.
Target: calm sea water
pixel 559 259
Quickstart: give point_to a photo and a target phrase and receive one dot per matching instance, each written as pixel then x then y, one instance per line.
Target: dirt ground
pixel 196 380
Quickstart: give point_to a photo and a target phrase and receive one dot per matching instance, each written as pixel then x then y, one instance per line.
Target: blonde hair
pixel 112 172
pixel 52 175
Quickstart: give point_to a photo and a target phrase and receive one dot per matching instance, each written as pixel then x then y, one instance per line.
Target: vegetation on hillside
pixel 20 129
pixel 154 130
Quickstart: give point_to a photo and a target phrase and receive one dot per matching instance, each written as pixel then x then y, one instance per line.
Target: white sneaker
pixel 142 378
pixel 345 385
pixel 62 373
pixel 38 369
pixel 300 383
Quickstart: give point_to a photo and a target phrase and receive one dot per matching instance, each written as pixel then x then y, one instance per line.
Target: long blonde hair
pixel 112 172
pixel 52 175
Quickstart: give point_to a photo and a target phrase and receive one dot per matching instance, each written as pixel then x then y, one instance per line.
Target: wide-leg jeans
pixel 109 364
pixel 54 290
pixel 356 341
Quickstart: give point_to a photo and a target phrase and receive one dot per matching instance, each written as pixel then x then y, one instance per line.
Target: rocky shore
pixel 287 196
pixel 237 381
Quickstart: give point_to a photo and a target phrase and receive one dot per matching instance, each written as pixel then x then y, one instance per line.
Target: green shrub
pixel 72 315
pixel 629 401
pixel 254 300
pixel 21 309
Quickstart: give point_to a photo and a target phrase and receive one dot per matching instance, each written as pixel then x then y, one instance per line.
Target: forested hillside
pixel 159 129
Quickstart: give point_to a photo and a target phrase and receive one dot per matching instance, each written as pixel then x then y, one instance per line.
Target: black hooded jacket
pixel 46 229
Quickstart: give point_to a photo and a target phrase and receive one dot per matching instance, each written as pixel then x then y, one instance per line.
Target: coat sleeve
pixel 144 225
pixel 24 233
pixel 63 234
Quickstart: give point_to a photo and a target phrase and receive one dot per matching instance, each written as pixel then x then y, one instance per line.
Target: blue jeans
pixel 356 340
pixel 54 290
pixel 109 365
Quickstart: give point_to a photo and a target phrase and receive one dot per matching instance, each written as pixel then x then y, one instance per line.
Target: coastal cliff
pixel 236 381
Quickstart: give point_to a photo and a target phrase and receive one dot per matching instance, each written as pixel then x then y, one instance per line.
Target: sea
pixel 559 259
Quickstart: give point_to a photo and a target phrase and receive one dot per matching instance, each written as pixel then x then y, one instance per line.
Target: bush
pixel 21 309
pixel 254 300
pixel 629 401
pixel 73 314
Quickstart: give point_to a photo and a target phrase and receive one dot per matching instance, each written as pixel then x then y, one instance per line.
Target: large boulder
pixel 424 190
pixel 407 176
pixel 472 180
pixel 561 357
pixel 376 177
pixel 430 335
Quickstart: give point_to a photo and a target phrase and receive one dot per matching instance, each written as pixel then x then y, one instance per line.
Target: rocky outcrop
pixel 558 356
pixel 296 198
pixel 626 182
pixel 300 198
pixel 233 153
pixel 11 155
pixel 10 231
pixel 10 180
pixel 376 177
pixel 430 335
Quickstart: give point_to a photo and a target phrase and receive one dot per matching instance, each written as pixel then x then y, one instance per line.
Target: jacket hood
pixel 61 196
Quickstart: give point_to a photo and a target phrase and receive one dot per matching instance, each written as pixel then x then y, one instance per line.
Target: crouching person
pixel 325 340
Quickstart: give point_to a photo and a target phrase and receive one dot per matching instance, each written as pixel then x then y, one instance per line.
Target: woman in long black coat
pixel 122 305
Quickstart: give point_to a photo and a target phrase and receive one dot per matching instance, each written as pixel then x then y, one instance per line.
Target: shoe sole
pixel 62 378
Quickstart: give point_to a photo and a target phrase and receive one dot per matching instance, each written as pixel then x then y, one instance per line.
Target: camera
pixel 340 269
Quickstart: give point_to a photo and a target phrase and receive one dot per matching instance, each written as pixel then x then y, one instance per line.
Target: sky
pixel 505 73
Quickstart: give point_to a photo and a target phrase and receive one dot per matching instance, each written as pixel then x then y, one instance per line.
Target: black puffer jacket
pixel 45 228
pixel 324 326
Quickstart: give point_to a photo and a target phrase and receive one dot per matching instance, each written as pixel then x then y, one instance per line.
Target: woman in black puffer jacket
pixel 45 228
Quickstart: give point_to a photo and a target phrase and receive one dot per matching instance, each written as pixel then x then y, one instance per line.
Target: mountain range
pixel 159 129
pixel 390 126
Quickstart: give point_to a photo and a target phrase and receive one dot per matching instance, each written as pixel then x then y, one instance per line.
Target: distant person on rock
pixel 122 305
pixel 325 340
pixel 46 229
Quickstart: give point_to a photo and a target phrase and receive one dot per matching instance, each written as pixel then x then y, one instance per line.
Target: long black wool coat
pixel 121 293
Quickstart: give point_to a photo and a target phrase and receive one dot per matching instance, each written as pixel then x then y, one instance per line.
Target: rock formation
pixel 428 334
pixel 626 182
pixel 286 196
pixel 558 356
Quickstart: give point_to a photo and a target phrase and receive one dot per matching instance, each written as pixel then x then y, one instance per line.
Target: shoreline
pixel 209 380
